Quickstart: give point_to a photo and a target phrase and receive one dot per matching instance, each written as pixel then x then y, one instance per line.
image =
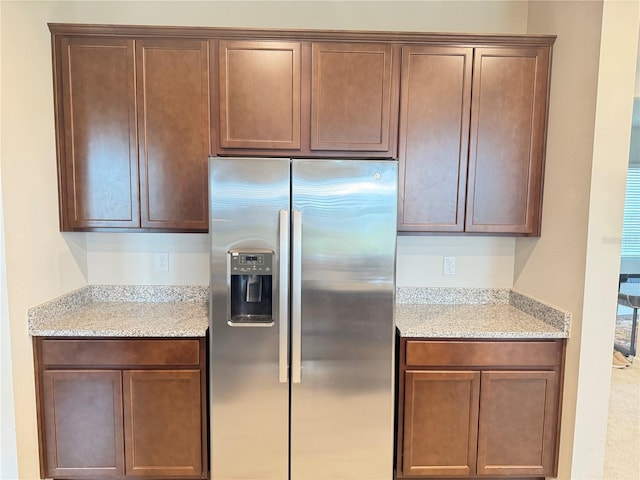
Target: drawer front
pixel 451 353
pixel 114 353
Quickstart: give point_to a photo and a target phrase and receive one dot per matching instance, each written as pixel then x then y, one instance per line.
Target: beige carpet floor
pixel 622 455
pixel 623 331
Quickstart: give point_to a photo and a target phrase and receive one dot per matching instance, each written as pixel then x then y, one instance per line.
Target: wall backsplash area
pixel 127 259
pixel 482 262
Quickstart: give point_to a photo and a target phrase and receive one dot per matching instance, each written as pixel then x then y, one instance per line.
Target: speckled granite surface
pixel 182 311
pixel 477 313
pixel 549 314
pixel 124 311
pixel 452 296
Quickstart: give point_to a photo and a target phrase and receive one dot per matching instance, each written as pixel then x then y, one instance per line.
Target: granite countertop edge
pixel 477 313
pixel 124 311
pixel 182 311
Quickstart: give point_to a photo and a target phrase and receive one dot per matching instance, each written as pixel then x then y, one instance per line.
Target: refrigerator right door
pixel 342 343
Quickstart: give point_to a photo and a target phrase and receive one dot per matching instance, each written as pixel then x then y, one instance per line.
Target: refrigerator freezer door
pixel 342 409
pixel 249 205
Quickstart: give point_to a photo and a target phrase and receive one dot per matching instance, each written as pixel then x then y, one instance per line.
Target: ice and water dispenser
pixel 251 287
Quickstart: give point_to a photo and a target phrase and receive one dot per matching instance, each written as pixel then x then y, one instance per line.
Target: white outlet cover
pixel 449 265
pixel 161 262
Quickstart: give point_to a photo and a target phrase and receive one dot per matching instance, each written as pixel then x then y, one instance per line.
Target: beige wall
pixel 481 262
pixel 127 258
pixel 8 458
pixel 40 263
pixel 552 267
pixel 575 262
pixel 459 16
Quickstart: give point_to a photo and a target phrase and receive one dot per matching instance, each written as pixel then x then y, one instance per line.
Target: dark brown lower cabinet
pixel 162 424
pixel 121 408
pixel 517 427
pixel 82 419
pixel 478 408
pixel 441 426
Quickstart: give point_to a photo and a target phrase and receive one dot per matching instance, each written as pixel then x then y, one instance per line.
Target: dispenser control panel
pixel 251 263
pixel 251 287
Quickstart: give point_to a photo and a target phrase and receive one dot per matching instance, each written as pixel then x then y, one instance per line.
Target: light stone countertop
pixel 477 313
pixel 124 311
pixel 182 311
pixel 471 321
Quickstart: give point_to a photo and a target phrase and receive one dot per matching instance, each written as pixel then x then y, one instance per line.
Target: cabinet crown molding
pixel 300 34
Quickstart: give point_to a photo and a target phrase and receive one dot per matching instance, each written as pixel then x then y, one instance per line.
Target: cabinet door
pixel 83 423
pixel 440 422
pixel 162 423
pixel 96 122
pixel 259 94
pixel 508 124
pixel 434 131
pixel 518 423
pixel 173 126
pixel 351 97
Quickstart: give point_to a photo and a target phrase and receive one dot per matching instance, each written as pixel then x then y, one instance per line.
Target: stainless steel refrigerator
pixel 302 318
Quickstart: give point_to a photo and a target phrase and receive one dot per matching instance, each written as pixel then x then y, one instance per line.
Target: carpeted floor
pixel 622 456
pixel 623 330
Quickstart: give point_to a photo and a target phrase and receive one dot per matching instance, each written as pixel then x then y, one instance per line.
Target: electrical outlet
pixel 161 262
pixel 449 265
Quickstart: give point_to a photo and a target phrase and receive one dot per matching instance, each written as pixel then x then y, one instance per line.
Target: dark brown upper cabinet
pixel 317 99
pixel 133 133
pixel 173 128
pixel 507 140
pixel 96 127
pixel 434 137
pixel 472 138
pixel 139 109
pixel 351 98
pixel 259 85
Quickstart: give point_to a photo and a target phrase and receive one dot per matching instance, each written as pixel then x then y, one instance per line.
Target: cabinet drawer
pixel 113 353
pixel 447 353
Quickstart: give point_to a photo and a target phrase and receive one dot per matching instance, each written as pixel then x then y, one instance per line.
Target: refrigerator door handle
pixel 296 292
pixel 283 298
